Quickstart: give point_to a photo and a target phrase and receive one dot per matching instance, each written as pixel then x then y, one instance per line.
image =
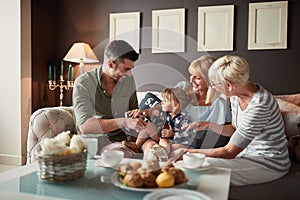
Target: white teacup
pixel 193 160
pixel 112 158
pixel 91 145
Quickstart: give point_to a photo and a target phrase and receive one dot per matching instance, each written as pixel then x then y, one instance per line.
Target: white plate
pixel 100 163
pixel 176 194
pixel 180 164
pixel 117 181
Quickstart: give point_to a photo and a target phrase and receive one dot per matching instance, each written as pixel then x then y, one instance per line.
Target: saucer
pixel 204 166
pixel 100 163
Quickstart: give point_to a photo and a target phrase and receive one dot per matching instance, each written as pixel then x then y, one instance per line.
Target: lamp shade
pixel 81 52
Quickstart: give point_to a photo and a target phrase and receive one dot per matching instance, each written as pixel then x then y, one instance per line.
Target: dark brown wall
pixel 43 51
pixel 57 24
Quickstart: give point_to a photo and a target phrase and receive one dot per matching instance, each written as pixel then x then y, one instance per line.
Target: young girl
pixel 168 122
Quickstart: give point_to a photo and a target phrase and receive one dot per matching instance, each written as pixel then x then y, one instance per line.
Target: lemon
pixel 164 180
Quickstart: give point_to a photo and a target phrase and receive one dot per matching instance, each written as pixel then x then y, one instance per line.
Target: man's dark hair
pixel 120 50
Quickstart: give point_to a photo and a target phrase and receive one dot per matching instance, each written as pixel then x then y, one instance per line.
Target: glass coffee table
pixel 24 183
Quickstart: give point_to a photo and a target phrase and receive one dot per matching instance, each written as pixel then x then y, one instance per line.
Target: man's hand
pixel 136 113
pixel 136 124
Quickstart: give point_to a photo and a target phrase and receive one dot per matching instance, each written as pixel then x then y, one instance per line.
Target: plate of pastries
pixel 148 177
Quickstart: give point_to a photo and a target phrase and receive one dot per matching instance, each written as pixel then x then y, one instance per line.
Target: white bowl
pixel 112 158
pixel 193 160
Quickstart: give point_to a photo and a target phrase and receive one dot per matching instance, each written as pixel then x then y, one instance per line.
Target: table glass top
pixel 95 184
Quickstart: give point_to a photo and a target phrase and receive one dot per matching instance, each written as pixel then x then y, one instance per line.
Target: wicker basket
pixel 56 168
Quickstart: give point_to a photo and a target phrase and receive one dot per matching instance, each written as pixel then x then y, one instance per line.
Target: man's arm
pixel 100 126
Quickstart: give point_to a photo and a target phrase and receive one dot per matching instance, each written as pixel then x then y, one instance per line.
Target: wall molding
pixel 7 159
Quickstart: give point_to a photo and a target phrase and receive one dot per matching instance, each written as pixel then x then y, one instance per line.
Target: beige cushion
pixel 292 98
pixel 291 117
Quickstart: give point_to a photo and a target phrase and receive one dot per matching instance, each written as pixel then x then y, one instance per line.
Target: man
pixel 102 96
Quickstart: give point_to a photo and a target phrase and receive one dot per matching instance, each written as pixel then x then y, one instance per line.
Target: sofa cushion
pixel 292 121
pixel 292 98
pixel 291 117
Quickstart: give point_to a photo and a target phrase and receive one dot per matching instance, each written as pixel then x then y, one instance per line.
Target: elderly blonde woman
pixel 257 151
pixel 205 104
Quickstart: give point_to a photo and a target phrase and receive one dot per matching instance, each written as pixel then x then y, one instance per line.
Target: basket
pixel 55 168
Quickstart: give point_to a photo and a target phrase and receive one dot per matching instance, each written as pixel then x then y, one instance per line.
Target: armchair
pixel 49 121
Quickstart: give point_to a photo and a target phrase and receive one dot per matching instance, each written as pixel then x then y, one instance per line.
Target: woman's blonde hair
pixel 175 95
pixel 233 69
pixel 200 67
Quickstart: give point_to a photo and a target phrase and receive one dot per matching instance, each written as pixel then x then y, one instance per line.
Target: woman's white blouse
pixel 218 112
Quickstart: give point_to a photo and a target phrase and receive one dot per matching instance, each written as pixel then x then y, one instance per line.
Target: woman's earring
pixel 229 89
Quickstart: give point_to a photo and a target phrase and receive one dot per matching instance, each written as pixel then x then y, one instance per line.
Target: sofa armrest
pixel 47 123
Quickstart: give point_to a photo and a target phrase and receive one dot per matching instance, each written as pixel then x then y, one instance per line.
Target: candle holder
pixel 53 85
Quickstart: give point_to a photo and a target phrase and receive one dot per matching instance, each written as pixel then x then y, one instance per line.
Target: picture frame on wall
pixel 168 30
pixel 215 28
pixel 267 27
pixel 125 26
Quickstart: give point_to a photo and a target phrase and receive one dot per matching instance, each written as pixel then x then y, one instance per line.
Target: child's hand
pixel 167 131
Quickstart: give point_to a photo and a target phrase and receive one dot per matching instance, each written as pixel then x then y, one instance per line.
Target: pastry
pixel 133 180
pixel 135 165
pixel 178 174
pixel 148 178
pixel 123 169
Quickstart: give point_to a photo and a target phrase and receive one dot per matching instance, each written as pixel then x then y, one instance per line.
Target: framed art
pixel 215 28
pixel 267 27
pixel 168 30
pixel 125 26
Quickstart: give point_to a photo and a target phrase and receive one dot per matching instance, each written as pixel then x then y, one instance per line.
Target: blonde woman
pixel 205 104
pixel 257 151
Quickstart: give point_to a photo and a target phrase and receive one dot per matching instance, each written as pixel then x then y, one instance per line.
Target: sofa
pixel 49 121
